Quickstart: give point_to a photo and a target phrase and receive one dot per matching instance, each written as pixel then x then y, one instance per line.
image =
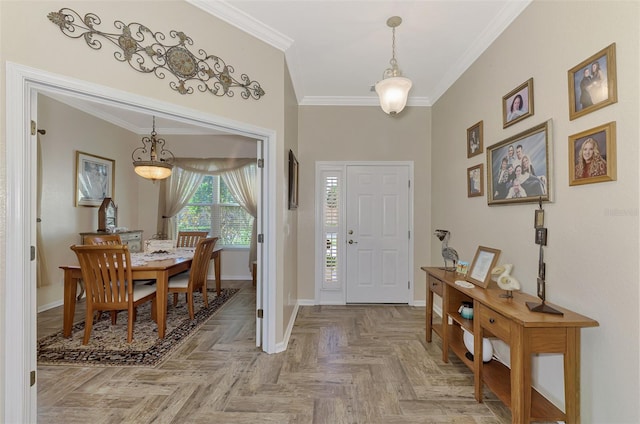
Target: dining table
pixel 144 267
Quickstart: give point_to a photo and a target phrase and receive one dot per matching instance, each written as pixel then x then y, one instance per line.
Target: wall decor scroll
pixel 146 52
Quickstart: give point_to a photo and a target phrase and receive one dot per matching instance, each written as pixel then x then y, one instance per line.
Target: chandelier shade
pixel 152 161
pixel 393 89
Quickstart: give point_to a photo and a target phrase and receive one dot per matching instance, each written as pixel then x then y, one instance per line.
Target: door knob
pixel 352 242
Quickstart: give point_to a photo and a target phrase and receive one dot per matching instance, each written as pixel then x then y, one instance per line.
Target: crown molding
pixel 239 19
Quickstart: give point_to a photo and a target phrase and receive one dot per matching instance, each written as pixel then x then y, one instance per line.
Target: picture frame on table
pixel 518 104
pixel 293 181
pixel 484 261
pixel 474 140
pixel 95 179
pixel 518 168
pixel 475 181
pixel 593 83
pixel 592 155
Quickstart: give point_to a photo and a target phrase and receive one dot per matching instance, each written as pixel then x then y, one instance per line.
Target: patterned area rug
pixel 108 343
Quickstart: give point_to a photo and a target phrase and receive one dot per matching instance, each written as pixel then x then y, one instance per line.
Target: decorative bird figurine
pixel 448 253
pixel 502 275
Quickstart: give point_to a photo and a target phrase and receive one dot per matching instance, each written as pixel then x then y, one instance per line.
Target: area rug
pixel 108 343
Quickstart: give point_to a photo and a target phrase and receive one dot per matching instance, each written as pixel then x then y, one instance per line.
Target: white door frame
pixel 19 301
pixel 338 296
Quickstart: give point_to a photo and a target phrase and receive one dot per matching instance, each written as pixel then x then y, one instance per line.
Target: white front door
pixel 377 234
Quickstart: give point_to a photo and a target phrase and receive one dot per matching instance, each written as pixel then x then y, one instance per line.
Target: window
pixel 212 208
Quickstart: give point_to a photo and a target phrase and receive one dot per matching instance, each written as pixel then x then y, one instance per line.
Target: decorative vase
pixel 487 348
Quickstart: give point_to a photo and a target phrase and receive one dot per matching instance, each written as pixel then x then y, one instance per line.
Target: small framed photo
pixel 95 179
pixel 475 181
pixel 541 236
pixel 293 181
pixel 592 83
pixel 538 221
pixel 542 267
pixel 541 293
pixel 517 104
pixel 592 155
pixel 474 140
pixel 483 262
pixel 518 168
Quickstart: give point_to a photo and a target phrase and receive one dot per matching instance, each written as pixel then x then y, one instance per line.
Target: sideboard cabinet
pixel 132 238
pixel 526 333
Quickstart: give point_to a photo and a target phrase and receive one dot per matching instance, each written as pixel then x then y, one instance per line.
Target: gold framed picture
pixel 592 83
pixel 517 104
pixel 474 140
pixel 95 179
pixel 475 181
pixel 592 155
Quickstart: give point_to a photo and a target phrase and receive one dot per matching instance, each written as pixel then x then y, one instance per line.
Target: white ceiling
pixel 337 50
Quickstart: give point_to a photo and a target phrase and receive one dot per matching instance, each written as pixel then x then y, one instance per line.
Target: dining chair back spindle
pixel 190 238
pixel 106 270
pixel 196 279
pixel 103 239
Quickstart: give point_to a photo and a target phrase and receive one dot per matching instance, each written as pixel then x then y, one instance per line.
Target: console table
pixel 526 332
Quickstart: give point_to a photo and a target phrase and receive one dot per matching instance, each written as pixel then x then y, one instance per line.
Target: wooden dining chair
pixel 190 238
pixel 103 239
pixel 106 271
pixel 196 279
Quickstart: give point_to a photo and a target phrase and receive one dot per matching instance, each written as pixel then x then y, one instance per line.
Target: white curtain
pixel 42 278
pixel 242 184
pixel 187 175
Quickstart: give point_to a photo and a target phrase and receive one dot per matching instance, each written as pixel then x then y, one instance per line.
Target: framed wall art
pixel 483 262
pixel 592 83
pixel 592 155
pixel 517 104
pixel 475 181
pixel 474 140
pixel 95 179
pixel 293 181
pixel 518 168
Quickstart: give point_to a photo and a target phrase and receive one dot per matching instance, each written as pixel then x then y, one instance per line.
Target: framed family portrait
pixel 293 181
pixel 592 155
pixel 517 104
pixel 483 262
pixel 518 168
pixel 475 181
pixel 474 140
pixel 95 179
pixel 592 83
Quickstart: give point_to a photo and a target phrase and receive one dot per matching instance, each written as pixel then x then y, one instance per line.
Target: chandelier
pixel 157 165
pixel 393 89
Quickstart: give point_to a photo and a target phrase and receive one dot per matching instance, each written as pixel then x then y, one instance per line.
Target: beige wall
pixel 363 134
pixel 28 38
pixel 592 255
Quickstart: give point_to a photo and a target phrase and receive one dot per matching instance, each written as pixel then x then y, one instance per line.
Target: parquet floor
pixel 364 364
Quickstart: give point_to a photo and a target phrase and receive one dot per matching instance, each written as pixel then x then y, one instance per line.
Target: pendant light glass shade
pixel 393 89
pixel 152 170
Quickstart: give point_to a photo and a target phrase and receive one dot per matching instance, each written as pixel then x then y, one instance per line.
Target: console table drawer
pixel 497 324
pixel 435 285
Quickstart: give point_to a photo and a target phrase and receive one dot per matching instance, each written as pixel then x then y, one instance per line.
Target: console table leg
pixel 572 376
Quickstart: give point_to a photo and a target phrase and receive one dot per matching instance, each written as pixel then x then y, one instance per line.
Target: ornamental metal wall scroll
pixel 146 52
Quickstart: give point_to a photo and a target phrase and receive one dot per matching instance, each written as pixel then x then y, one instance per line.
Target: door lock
pixel 350 231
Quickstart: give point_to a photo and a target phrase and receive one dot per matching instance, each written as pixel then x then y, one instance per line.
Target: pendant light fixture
pixel 393 89
pixel 159 163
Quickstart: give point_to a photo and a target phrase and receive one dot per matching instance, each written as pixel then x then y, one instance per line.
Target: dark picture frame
pixel 475 181
pixel 484 261
pixel 599 144
pixel 293 181
pixel 475 144
pixel 95 179
pixel 518 104
pixel 530 148
pixel 593 83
